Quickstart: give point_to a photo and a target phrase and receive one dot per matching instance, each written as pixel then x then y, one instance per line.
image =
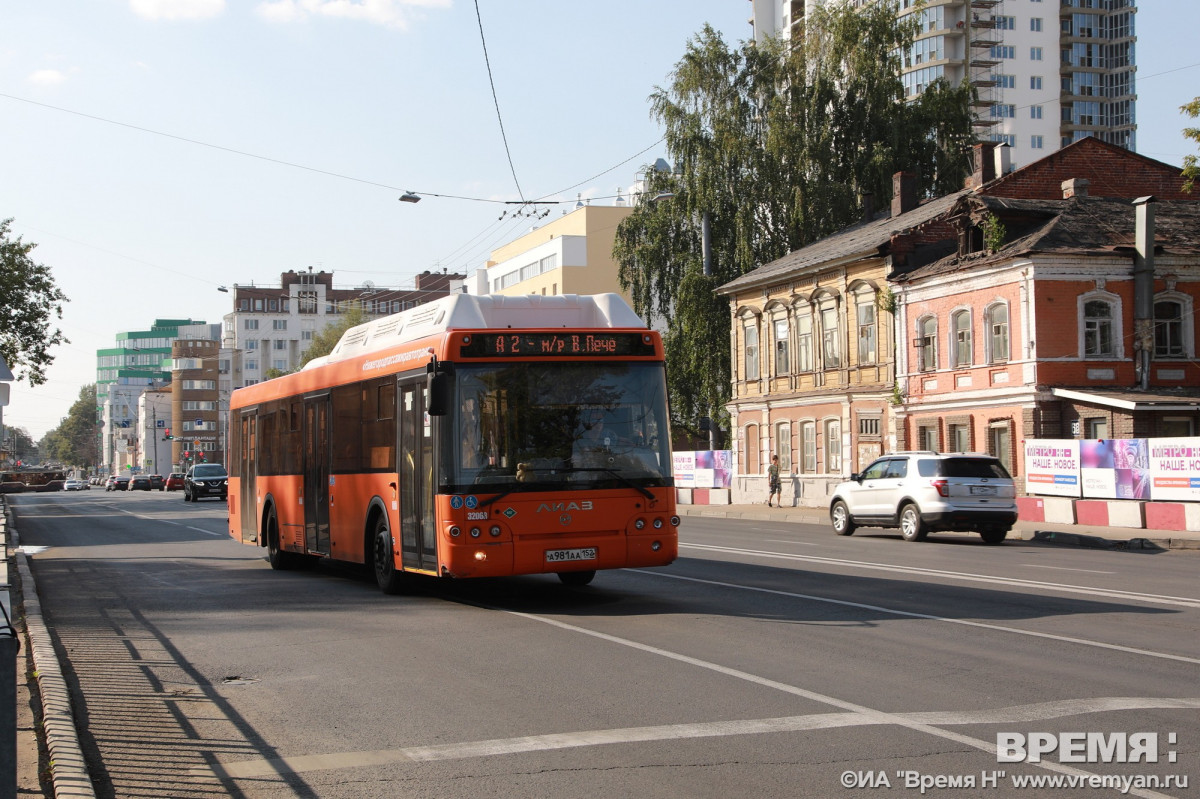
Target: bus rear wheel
pixel 387 577
pixel 577 578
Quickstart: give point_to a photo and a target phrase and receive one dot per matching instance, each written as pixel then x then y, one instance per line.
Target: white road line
pixel 854 715
pixel 930 617
pixel 794 543
pixel 1158 599
pixel 1064 568
pixel 1018 714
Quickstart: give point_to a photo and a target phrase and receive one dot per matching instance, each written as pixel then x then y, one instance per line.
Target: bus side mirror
pixel 440 383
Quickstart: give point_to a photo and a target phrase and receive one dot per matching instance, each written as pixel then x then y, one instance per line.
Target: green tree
pixel 775 146
pixel 29 300
pixel 1191 166
pixel 76 440
pixel 327 338
pixel 22 446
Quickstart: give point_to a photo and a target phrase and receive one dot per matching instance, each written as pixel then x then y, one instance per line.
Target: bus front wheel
pixel 278 559
pixel 387 576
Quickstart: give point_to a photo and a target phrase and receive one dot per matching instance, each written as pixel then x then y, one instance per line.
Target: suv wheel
pixel 912 528
pixel 993 535
pixel 839 515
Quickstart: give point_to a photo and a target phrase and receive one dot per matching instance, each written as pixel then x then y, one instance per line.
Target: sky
pixel 157 149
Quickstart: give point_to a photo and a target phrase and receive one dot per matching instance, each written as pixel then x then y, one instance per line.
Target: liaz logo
pixel 559 507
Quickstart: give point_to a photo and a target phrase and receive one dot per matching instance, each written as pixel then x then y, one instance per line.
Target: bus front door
pixel 316 474
pixel 418 543
pixel 247 466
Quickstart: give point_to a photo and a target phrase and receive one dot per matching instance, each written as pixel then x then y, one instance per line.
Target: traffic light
pixel 201 455
pixel 167 435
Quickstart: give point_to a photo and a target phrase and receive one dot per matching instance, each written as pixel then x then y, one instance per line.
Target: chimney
pixel 1143 288
pixel 1003 154
pixel 985 164
pixel 868 206
pixel 1075 187
pixel 904 193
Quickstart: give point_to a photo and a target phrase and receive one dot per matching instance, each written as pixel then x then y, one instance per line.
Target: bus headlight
pixel 480 555
pixel 476 532
pixel 674 521
pixel 640 524
pixel 495 531
pixel 657 545
pixel 658 524
pixel 455 532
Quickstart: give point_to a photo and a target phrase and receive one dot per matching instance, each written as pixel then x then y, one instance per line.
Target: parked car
pixel 926 492
pixel 117 482
pixel 157 482
pixel 75 485
pixel 140 482
pixel 205 480
pixel 174 482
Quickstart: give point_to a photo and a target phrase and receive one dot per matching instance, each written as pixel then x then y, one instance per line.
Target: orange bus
pixel 474 436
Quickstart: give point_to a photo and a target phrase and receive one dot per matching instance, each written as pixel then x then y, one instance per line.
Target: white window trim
pixel 1187 322
pixel 988 342
pixel 1118 332
pixel 954 314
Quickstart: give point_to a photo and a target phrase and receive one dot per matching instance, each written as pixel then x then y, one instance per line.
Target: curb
pixel 69 769
pixel 798 515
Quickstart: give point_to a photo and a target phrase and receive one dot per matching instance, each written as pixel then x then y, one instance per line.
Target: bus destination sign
pixel 557 344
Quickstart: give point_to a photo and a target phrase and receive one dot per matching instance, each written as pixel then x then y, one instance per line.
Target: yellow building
pixel 571 255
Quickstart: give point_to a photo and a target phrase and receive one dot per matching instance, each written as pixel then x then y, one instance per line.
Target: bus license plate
pixel 562 555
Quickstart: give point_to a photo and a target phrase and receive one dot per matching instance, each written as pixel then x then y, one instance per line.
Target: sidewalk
pixel 1042 532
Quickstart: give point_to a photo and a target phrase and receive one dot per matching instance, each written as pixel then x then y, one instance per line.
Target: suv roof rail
pixel 911 452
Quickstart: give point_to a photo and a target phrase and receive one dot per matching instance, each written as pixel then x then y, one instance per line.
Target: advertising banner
pixel 1175 469
pixel 703 469
pixel 1115 468
pixel 684 466
pixel 1131 461
pixel 1052 467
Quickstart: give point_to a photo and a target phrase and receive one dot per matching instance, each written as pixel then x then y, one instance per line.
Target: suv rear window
pixel 962 467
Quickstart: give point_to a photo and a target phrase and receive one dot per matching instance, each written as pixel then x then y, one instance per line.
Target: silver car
pixel 926 492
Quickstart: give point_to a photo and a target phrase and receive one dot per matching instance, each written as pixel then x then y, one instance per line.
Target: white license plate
pixel 562 555
pixel 986 490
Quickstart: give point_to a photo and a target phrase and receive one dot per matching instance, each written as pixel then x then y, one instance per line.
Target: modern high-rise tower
pixel 1046 72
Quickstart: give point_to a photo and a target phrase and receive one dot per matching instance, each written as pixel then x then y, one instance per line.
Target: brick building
pixel 921 328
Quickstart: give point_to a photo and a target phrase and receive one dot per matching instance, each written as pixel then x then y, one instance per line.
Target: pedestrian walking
pixel 773 485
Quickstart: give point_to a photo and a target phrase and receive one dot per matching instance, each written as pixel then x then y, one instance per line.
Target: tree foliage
pixel 1191 165
pixel 76 440
pixel 327 338
pixel 776 147
pixel 29 301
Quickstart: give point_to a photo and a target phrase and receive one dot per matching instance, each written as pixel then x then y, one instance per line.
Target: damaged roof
pixel 864 240
pixel 1077 226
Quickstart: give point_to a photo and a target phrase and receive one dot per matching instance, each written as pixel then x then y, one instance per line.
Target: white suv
pixel 924 492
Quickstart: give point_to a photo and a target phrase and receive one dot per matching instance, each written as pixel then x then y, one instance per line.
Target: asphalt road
pixel 771 660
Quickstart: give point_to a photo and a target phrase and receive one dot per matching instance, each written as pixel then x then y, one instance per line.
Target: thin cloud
pixel 388 13
pixel 47 77
pixel 177 9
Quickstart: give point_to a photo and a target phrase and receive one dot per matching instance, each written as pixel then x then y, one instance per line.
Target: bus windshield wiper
pixel 640 489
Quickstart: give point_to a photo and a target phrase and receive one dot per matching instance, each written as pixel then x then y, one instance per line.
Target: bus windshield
pixel 546 426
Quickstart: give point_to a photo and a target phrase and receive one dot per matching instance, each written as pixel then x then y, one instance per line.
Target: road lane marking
pixel 854 715
pixel 495 747
pixel 1064 569
pixel 928 616
pixel 1159 599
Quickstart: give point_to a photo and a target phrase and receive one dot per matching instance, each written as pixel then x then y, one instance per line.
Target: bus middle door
pixel 418 542
pixel 316 474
